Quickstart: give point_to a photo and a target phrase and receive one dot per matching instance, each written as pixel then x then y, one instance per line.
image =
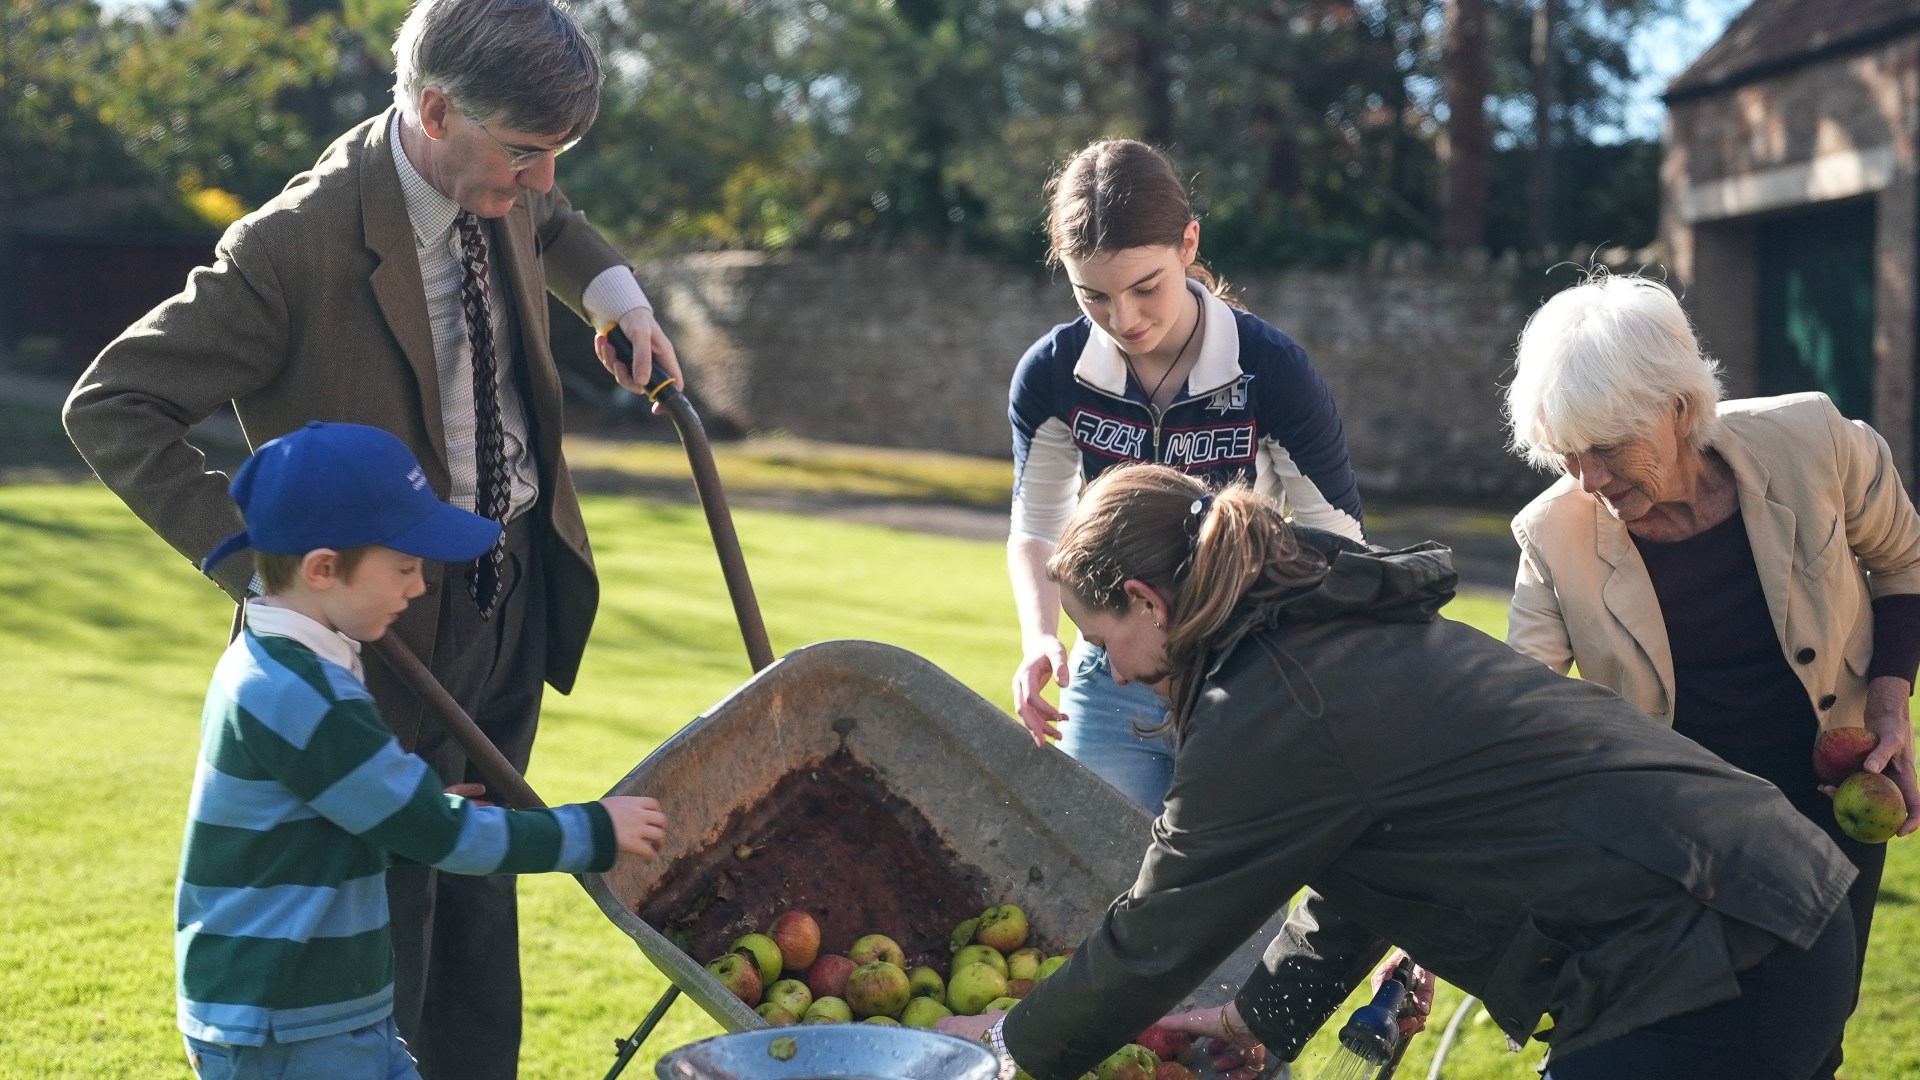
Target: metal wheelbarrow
pixel 905 750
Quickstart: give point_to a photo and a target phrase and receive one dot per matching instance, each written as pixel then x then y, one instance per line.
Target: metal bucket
pixel 831 1052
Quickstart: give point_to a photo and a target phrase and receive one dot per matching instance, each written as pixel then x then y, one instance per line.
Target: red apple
pixel 1173 1070
pixel 1839 753
pixel 1166 1043
pixel 798 937
pixel 738 973
pixel 828 976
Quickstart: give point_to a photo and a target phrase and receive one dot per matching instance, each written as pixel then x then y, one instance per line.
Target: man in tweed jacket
pixel 340 300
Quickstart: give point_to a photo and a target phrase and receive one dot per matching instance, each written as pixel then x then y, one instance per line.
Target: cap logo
pixel 417 478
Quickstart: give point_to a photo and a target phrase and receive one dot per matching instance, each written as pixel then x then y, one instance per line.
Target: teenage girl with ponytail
pixel 1602 884
pixel 1161 367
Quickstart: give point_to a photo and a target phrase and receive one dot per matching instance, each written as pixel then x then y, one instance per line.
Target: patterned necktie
pixel 490 441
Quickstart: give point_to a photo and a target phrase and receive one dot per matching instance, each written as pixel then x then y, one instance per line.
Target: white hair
pixel 1600 363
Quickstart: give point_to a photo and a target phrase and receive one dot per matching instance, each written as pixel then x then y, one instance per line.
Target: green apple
pixel 1003 927
pixel 827 1010
pixel 765 952
pixel 972 986
pixel 921 1012
pixel 980 954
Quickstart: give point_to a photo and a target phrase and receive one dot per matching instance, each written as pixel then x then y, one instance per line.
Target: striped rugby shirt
pixel 301 797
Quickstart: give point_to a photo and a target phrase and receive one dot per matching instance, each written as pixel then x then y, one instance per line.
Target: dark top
pixel 1735 691
pixel 1533 839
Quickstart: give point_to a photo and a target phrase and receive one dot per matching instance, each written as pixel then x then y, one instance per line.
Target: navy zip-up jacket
pixel 1252 408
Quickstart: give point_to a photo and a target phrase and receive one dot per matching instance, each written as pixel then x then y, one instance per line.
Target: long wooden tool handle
pixel 706 480
pixel 500 773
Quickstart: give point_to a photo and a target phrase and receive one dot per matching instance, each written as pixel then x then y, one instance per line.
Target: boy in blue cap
pixel 302 795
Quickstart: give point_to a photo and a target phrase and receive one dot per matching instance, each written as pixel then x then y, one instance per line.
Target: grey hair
pixel 522 63
pixel 1599 363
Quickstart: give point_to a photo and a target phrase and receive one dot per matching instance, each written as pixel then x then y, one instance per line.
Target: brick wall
pixel 917 350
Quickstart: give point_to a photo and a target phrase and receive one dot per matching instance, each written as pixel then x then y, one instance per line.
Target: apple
pixel 1840 752
pixel 980 954
pixel 877 947
pixel 1130 1062
pixel 972 986
pixel 827 1010
pixel 883 1021
pixel 738 973
pixel 1173 1070
pixel 1166 1043
pixel 790 994
pixel 963 934
pixel 1001 1004
pixel 1003 927
pixel 828 975
pixel 798 937
pixel 1024 963
pixel 1019 988
pixel 765 953
pixel 878 989
pixel 922 1012
pixel 1050 965
pixel 927 983
pixel 775 1015
pixel 1869 807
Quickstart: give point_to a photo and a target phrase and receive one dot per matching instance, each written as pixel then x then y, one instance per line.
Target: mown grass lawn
pixel 106 639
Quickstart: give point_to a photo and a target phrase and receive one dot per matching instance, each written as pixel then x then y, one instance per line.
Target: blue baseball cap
pixel 343 486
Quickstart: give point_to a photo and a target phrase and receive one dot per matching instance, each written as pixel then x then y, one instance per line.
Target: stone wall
pixel 917 350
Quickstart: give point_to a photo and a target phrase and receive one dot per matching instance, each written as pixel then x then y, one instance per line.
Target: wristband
pixel 998 1042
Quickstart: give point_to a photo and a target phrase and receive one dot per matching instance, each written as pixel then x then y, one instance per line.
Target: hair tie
pixel 1197 513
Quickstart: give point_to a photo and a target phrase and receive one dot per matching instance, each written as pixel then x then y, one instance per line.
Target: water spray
pixel 1370 1040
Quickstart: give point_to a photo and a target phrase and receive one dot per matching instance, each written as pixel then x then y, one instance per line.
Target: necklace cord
pixel 1198 314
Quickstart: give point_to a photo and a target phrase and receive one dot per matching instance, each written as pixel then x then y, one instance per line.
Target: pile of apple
pixel 992 968
pixel 1867 805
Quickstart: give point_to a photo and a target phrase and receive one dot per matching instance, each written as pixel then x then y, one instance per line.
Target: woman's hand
pixel 1413 1017
pixel 1892 756
pixel 1233 1051
pixel 1045 659
pixel 968 1027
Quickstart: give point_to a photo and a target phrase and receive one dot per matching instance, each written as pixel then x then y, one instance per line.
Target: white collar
pixel 330 645
pixel 429 209
pixel 1103 366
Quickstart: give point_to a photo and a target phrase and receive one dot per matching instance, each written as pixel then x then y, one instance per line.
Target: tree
pixel 1468 144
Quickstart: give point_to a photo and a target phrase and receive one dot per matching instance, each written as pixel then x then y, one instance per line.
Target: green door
pixel 1816 305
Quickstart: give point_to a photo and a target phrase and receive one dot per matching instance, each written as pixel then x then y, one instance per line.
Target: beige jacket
pixel 1831 528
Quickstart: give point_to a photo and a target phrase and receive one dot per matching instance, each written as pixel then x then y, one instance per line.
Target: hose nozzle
pixel 1374 1029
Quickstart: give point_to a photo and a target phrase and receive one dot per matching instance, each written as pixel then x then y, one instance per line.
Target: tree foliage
pixel 160 104
pixel 1311 129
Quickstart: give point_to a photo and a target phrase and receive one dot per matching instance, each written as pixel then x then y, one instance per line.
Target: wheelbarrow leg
pixel 630 1045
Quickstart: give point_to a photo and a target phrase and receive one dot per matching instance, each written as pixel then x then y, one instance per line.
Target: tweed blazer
pixel 1831 528
pixel 313 309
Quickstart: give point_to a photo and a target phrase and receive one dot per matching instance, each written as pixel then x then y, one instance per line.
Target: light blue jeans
pixel 374 1052
pixel 1099 730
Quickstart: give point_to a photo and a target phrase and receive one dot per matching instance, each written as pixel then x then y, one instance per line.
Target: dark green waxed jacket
pixel 1528 837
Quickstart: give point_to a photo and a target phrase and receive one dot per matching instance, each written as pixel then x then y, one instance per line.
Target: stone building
pixel 1788 204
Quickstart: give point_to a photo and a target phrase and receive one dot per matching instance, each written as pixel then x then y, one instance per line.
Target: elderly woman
pixel 1745 572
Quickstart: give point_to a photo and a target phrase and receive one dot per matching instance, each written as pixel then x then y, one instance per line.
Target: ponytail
pixel 1219 560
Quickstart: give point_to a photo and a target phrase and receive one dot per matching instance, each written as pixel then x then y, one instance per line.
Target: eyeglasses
pixel 519 158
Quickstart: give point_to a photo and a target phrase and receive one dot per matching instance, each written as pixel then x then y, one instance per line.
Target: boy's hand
pixel 471 792
pixel 638 824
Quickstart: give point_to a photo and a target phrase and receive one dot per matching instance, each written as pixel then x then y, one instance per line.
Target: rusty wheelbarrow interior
pixel 860 782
